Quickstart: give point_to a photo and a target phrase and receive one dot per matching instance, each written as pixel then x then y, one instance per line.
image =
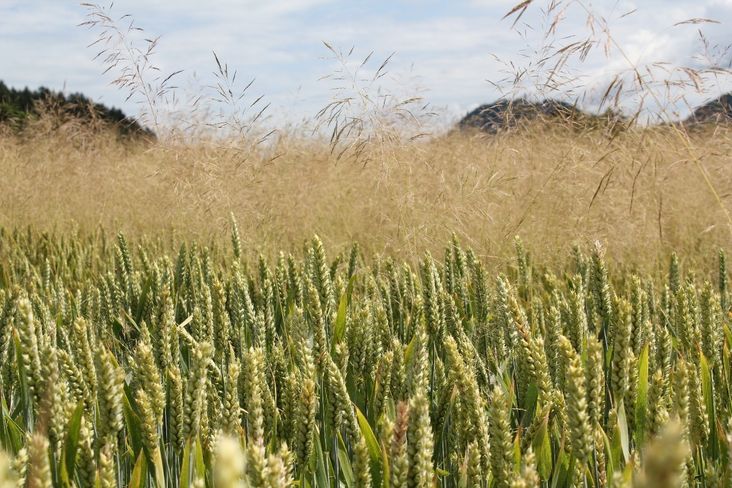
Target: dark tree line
pixel 17 107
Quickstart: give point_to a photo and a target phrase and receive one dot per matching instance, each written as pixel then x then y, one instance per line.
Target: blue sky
pixel 451 49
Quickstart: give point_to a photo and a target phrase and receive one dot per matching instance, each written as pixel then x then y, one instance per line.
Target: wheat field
pixel 127 365
pixel 358 302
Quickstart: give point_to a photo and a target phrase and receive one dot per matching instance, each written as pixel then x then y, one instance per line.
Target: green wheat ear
pixel 723 281
pixel 362 464
pixel 235 239
pixel 398 448
pixel 107 476
pixel 31 358
pixel 580 430
pixel 527 477
pixel 87 462
pixel 8 477
pixel 664 459
pixel 420 438
pixel 39 468
pixel 110 380
pixel 622 352
pixel 230 463
pixel 149 379
pixel 500 438
pixel 148 421
pixel 674 274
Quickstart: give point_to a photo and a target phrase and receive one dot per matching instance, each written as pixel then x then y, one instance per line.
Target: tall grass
pixel 363 175
pixel 639 192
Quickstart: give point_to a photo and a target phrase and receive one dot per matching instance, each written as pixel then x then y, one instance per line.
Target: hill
pixel 715 111
pixel 505 114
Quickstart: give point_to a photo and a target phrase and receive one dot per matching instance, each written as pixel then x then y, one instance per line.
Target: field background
pixel 643 192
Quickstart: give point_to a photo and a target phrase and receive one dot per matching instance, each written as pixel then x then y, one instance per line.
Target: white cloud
pixel 279 42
